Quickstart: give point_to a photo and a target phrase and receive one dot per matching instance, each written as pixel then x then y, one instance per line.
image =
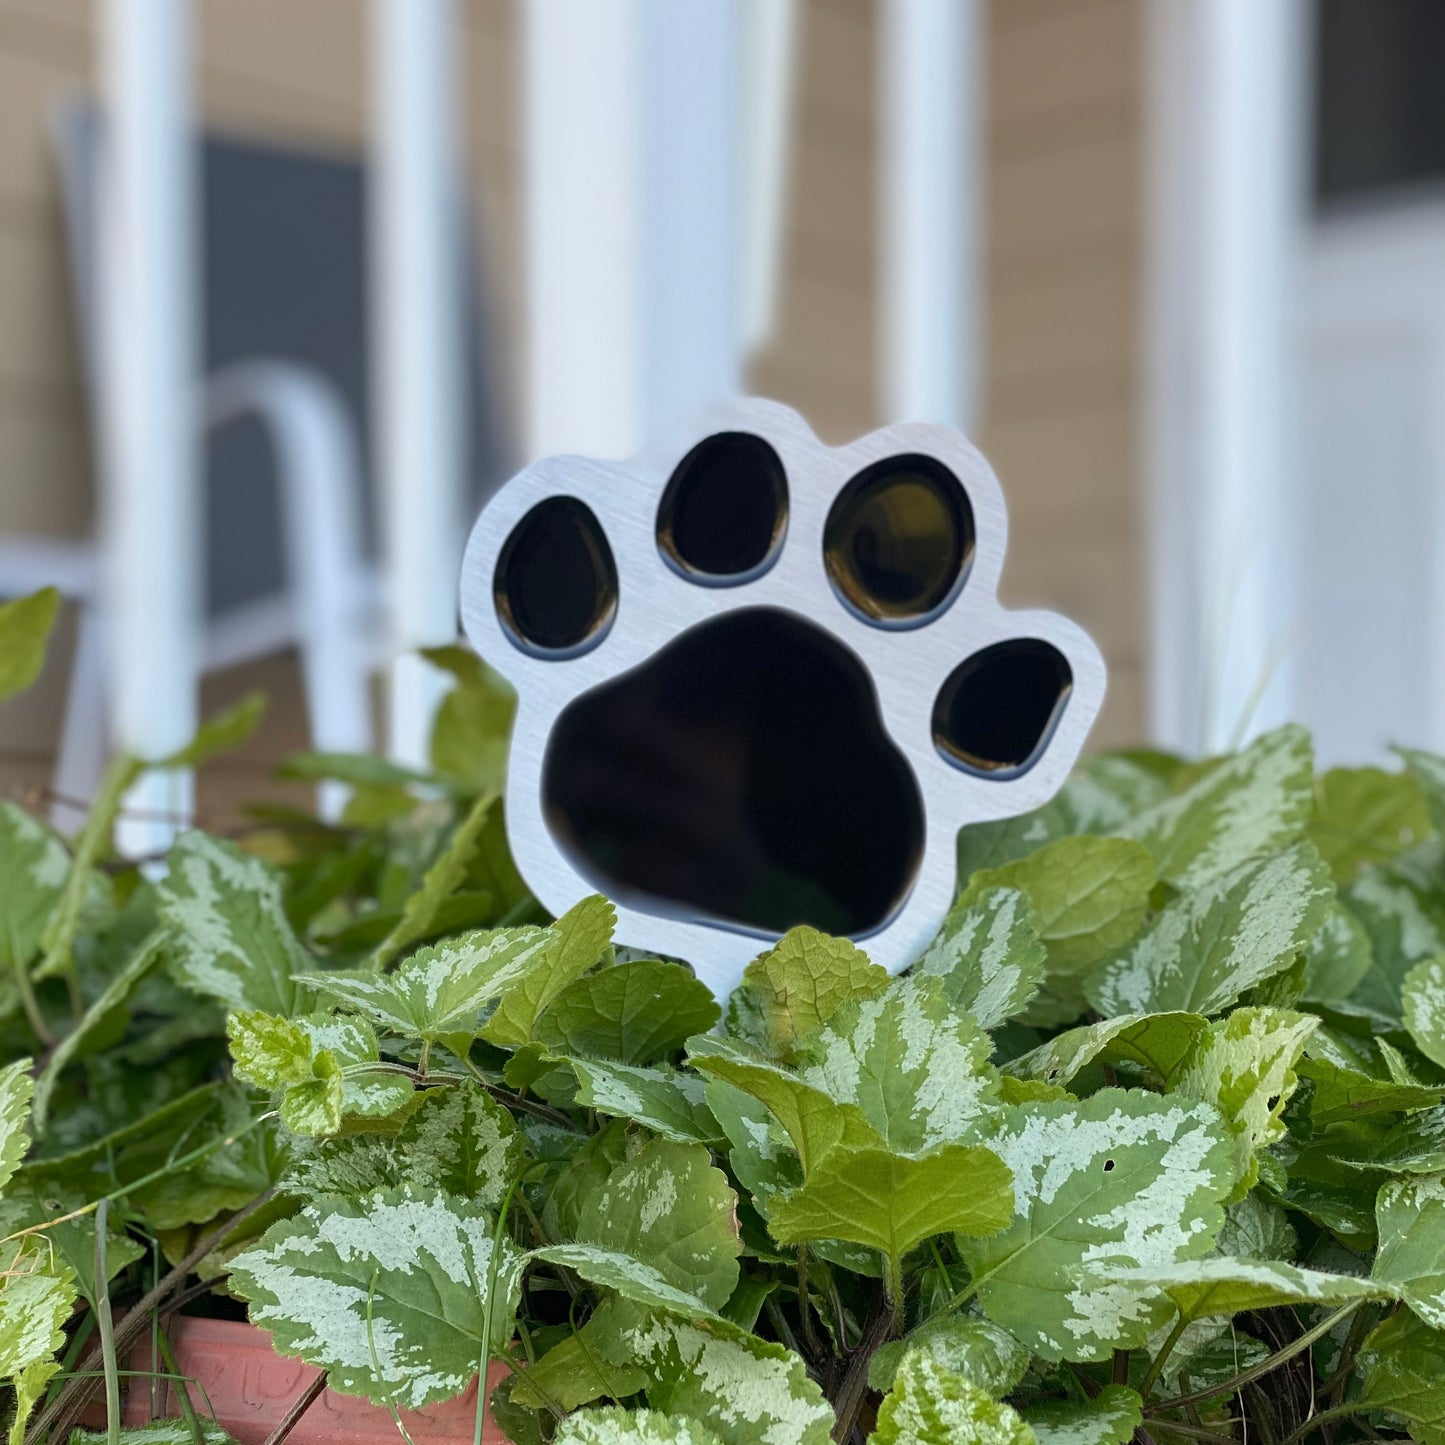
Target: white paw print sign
pixel 762 682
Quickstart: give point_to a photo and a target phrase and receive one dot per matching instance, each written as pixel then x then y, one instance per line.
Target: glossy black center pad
pixel 997 710
pixel 725 509
pixel 899 539
pixel 556 581
pixel 741 775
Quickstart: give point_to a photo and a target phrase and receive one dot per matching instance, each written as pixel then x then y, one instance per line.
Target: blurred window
pixel 1379 85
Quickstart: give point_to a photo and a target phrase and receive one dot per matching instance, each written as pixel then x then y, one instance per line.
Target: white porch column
pixel 418 354
pixel 1227 189
pixel 930 209
pixel 152 510
pixel 632 241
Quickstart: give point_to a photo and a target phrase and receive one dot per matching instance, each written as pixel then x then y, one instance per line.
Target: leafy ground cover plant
pixel 1148 1144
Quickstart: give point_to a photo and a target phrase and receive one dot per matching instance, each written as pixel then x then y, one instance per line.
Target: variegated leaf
pixel 614 1426
pixel 669 1103
pixel 1156 1043
pixel 968 1345
pixel 37 1292
pixel 1410 1215
pixel 33 866
pixel 16 1087
pixel 1404 926
pixel 388 1294
pixel 930 1405
pixel 1110 1418
pixel 632 1279
pixel 1225 936
pixel 1423 1001
pixel 1122 1177
pixel 989 956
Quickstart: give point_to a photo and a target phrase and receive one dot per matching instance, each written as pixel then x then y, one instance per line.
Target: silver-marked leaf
pixel 1122 1177
pixel 1404 928
pixel 1416 1145
pixel 229 936
pixel 1410 1215
pixel 1110 1418
pixel 670 1208
pixel 917 1070
pixel 1257 802
pixel 16 1087
pixel 1211 944
pixel 1223 1287
pixel 765 1162
pixel 582 1366
pixel 439 990
pixel 33 866
pixel 37 1292
pixel 893 1202
pixel 457 1139
pixel 930 1405
pixel 578 940
pixel 748 1391
pixel 968 1345
pixel 1156 1043
pixel 1403 1361
pixel 616 1426
pixel 1089 896
pixel 388 1294
pixel 669 1103
pixel 1338 957
pixel 1423 1001
pixel 159 1432
pixel 1243 1064
pixel 629 1277
pixel 635 1012
pixel 801 982
pixel 989 956
pixel 813 1120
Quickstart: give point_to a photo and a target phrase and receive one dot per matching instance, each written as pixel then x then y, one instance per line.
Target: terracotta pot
pixel 235 1373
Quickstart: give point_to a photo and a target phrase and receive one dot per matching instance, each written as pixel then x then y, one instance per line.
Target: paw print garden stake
pixel 764 682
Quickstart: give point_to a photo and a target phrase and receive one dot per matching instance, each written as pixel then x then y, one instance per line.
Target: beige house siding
pixel 1063 273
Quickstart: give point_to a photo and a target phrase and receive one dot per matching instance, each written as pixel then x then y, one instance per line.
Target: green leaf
pixel 968 1345
pixel 814 1122
pixel 1110 1418
pixel 1123 1177
pixel 799 984
pixel 69 1242
pixel 1428 771
pixel 24 631
pixel 578 940
pixel 580 1367
pixel 1410 1215
pixel 1257 802
pixel 918 1071
pixel 670 1208
pixel 1157 1043
pixel 1244 1066
pixel 1423 1001
pixel 1089 896
pixel 469 741
pixel 1416 1145
pixel 1366 815
pixel 1210 945
pixel 419 912
pixel 669 1103
pixel 1338 958
pixel 631 1278
pixel 16 1088
pixel 893 1202
pixel 440 989
pixel 97 1019
pixel 33 867
pixel 634 1013
pixel 760 1153
pixel 1201 1288
pixel 158 1432
pixel 229 936
pixel 989 956
pixel 615 1426
pixel 37 1293
pixel 1339 1095
pixel 222 733
pixel 457 1139
pixel 1403 1362
pixel 1404 929
pixel 387 1294
pixel 930 1405
pixel 745 1389
pixel 30 1386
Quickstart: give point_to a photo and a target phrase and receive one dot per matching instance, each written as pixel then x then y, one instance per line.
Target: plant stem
pixel 1156 1366
pixel 893 1288
pixel 805 1307
pixel 855 1382
pixel 1230 1387
pixel 299 1406
pixel 489 1306
pixel 107 1329
pixel 1333 1413
pixel 31 1005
